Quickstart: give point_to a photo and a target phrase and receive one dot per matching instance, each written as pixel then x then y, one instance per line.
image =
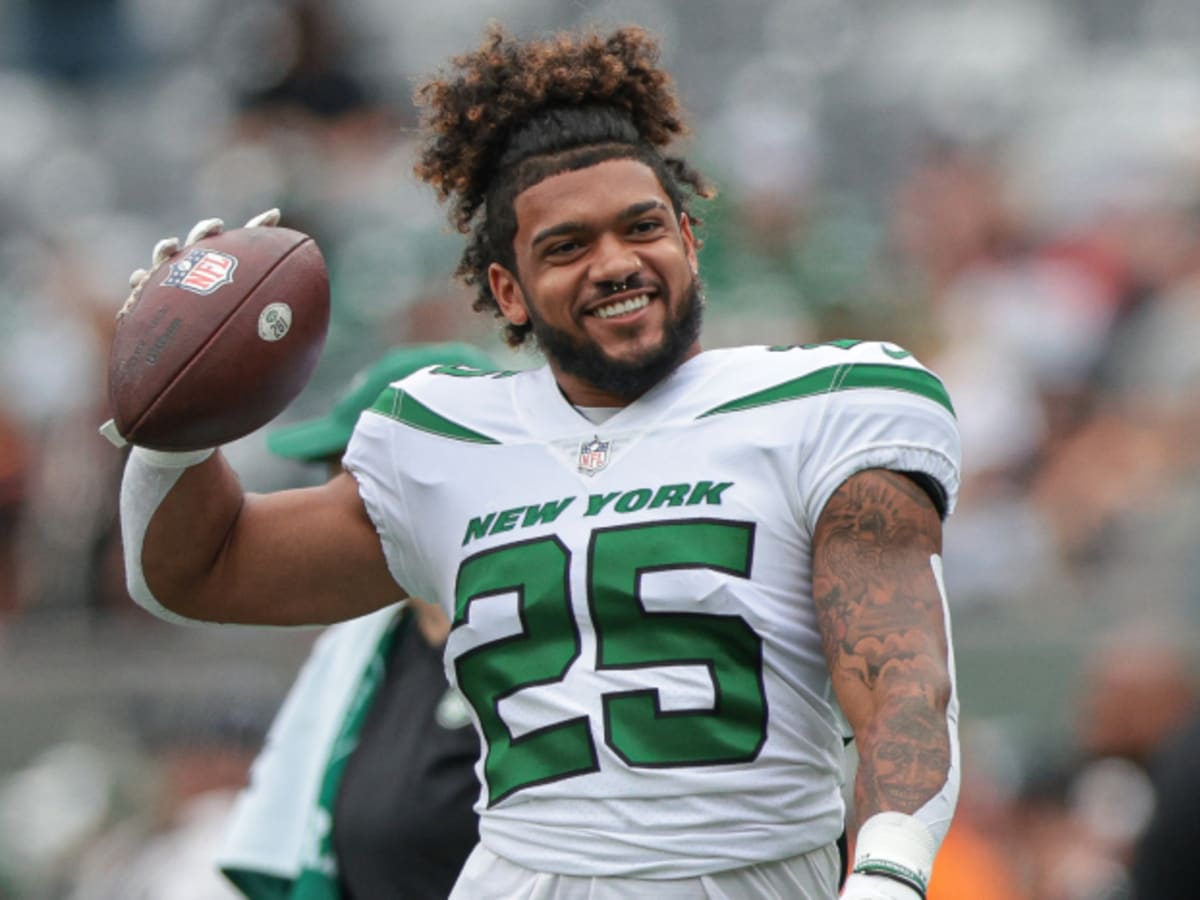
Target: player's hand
pixel 168 247
pixel 164 250
pixel 875 887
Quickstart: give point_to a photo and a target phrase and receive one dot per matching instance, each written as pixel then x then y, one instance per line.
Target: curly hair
pixel 512 113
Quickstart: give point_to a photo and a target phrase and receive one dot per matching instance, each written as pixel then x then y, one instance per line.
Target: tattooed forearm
pixel 881 621
pixel 904 755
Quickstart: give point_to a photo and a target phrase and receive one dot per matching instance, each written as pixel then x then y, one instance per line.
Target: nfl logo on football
pixel 201 271
pixel 593 455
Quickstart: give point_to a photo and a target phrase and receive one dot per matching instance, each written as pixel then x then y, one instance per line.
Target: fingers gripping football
pixel 267 219
pixel 169 246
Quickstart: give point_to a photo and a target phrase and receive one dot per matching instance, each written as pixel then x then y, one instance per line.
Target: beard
pixel 627 379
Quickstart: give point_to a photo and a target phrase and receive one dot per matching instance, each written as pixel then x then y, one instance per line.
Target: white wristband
pixel 149 477
pixel 898 847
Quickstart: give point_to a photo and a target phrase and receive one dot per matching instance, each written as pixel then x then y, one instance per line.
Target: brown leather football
pixel 221 338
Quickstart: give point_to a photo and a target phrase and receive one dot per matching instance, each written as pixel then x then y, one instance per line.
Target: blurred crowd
pixel 1010 189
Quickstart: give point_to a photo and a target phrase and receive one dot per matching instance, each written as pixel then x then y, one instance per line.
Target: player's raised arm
pixel 197 548
pixel 215 341
pixel 881 608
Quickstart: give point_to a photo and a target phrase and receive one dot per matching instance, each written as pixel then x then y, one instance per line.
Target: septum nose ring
pixel 618 286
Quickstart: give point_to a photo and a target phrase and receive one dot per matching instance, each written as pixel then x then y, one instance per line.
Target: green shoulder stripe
pixel 403 407
pixel 843 378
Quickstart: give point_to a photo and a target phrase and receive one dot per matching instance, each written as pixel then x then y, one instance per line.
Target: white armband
pixel 149 477
pixel 901 847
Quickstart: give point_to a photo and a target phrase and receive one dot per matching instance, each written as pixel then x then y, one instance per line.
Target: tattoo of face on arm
pixel 883 631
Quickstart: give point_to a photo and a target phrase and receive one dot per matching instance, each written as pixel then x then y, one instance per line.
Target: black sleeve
pixel 933 488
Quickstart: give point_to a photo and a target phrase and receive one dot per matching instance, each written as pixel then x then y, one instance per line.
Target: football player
pixel 677 579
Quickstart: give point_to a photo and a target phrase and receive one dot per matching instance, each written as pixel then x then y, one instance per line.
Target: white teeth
pixel 625 306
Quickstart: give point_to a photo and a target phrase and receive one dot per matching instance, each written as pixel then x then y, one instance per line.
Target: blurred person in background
pixel 13 473
pixel 319 83
pixel 197 750
pixel 1139 692
pixel 586 242
pixel 67 539
pixel 366 785
pixel 1083 809
pixel 1138 687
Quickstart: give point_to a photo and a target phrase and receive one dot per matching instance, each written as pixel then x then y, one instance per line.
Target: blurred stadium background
pixel 1008 187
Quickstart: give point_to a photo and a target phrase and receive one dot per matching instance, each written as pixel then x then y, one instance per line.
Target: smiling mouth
pixel 622 307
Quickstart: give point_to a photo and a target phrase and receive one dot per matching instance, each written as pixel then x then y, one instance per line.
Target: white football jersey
pixel 632 603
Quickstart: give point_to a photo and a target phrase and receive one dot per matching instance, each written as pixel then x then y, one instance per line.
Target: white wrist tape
pixel 896 846
pixel 149 477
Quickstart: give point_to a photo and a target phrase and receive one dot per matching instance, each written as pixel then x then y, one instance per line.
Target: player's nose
pixel 614 261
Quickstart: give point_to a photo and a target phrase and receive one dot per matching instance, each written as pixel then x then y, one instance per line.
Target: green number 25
pixel 628 636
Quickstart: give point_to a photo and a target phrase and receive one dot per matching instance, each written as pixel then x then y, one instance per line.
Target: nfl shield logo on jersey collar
pixel 593 455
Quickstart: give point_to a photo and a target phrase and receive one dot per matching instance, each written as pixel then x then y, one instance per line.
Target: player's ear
pixel 507 291
pixel 689 242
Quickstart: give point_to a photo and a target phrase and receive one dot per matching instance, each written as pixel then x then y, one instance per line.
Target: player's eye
pixel 562 248
pixel 646 227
